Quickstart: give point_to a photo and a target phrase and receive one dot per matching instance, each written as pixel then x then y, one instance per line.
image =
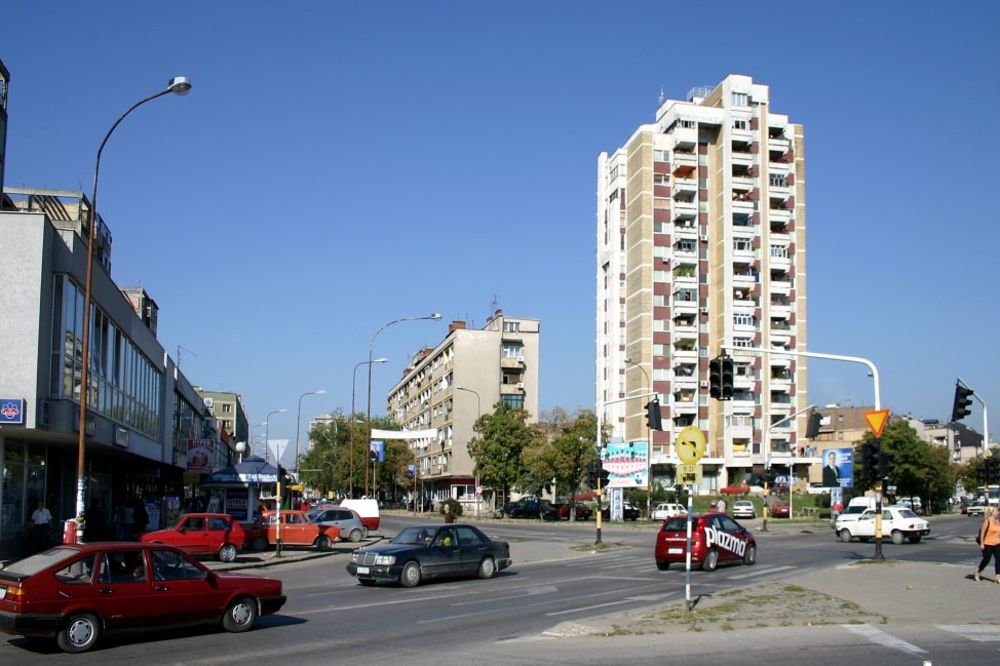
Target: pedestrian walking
pixel 449 517
pixel 40 520
pixel 989 543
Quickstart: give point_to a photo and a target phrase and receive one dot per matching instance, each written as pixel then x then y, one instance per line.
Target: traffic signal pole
pixel 986 420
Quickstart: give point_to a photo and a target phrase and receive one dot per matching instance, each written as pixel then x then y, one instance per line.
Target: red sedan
pixel 76 592
pixel 202 534
pixel 715 538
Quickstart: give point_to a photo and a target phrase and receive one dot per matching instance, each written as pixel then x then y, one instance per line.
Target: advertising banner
pixel 200 453
pixel 838 468
pixel 376 451
pixel 626 464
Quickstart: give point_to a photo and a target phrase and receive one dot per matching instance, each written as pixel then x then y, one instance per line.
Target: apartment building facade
pixel 227 408
pixel 446 388
pixel 4 87
pixel 701 230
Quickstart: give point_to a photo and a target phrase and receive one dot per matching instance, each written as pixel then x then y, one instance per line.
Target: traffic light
pixel 715 378
pixel 885 465
pixel 963 400
pixel 653 417
pixel 812 429
pixel 728 377
pixel 870 454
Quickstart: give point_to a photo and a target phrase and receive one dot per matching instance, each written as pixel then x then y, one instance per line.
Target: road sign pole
pixel 687 581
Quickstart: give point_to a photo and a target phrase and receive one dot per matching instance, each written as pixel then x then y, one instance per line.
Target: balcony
pixel 685 139
pixel 685 210
pixel 512 389
pixel 780 144
pixel 512 362
pixel 685 189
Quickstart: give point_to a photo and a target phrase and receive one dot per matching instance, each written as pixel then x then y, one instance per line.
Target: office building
pixel 701 236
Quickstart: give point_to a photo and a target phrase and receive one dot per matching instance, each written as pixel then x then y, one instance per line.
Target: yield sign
pixel 877 420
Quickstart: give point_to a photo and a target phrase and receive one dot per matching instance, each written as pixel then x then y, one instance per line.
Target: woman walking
pixel 989 543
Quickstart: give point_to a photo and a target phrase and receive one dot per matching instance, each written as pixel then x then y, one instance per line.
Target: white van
pixel 367 509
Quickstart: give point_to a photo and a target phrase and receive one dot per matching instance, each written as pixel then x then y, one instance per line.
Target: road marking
pixel 395 602
pixel 587 608
pixel 974 632
pixel 761 572
pixel 880 637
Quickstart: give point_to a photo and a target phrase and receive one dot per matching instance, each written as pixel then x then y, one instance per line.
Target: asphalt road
pixel 330 618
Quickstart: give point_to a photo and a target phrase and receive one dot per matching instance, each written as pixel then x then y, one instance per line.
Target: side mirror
pixel 212 578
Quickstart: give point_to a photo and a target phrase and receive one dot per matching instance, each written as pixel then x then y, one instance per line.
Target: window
pixel 218 524
pixel 78 572
pixel 686 123
pixel 741 99
pixel 512 350
pixel 513 401
pixel 125 566
pixel 742 245
pixel 660 155
pixel 512 326
pixel 778 180
pixel 779 251
pixel 740 319
pixel 168 565
pixel 741 124
pixel 468 536
pixel 194 524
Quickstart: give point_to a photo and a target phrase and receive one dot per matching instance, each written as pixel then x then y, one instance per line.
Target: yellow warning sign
pixel 877 420
pixel 689 475
pixel 690 445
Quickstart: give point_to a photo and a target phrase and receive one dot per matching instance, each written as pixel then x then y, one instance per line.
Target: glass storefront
pixel 23 484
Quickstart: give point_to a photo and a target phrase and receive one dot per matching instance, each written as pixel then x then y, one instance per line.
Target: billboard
pixel 627 464
pixel 376 451
pixel 200 454
pixel 838 468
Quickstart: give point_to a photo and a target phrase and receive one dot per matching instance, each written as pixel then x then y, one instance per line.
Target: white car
pixel 898 523
pixel 744 509
pixel 667 510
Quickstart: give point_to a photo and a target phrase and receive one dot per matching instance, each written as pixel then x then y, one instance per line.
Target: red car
pixel 202 534
pixel 76 592
pixel 298 530
pixel 715 538
pixel 779 509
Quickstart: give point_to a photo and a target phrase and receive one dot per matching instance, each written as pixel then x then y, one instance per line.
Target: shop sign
pixel 11 411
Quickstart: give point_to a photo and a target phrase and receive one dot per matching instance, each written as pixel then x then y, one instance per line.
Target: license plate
pixel 364 570
pixel 674 551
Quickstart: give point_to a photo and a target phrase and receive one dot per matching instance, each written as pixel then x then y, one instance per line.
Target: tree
pixel 496 450
pixel 566 454
pixel 919 469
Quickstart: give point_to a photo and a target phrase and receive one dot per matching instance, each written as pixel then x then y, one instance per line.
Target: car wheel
pixel 487 568
pixel 663 566
pixel 897 537
pixel 914 538
pixel 240 615
pixel 711 560
pixel 364 532
pixel 355 536
pixel 79 633
pixel 845 536
pixel 410 575
pixel 323 542
pixel 228 552
pixel 259 543
pixel 750 556
pixel 367 582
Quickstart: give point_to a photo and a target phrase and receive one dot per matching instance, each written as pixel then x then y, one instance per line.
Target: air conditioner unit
pixel 520 385
pixel 703 384
pixel 704 311
pixel 209 402
pixel 703 237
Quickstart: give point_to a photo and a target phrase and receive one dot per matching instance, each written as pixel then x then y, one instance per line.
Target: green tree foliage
pixel 565 453
pixel 970 474
pixel 920 469
pixel 496 450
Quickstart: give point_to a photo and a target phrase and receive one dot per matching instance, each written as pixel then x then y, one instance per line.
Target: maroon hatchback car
pixel 715 538
pixel 76 592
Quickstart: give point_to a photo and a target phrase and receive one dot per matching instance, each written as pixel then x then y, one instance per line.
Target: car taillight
pixel 14 594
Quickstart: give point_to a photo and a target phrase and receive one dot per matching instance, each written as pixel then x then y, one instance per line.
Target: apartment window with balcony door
pixel 512 326
pixel 660 155
pixel 512 350
pixel 740 319
pixel 741 124
pixel 779 251
pixel 741 99
pixel 742 245
pixel 661 179
pixel 686 123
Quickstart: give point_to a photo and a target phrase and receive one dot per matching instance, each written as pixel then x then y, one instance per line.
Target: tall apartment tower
pixel 701 229
pixel 4 83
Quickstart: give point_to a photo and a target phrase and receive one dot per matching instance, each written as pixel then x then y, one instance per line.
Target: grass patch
pixel 598 547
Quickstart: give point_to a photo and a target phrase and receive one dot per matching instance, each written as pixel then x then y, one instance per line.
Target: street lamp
pixel 371 348
pixel 298 419
pixel 354 379
pixel 179 85
pixel 649 442
pixel 253 436
pixel 267 433
pixel 479 412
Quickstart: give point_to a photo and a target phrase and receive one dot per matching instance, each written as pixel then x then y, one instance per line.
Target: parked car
pixel 76 592
pixel 898 523
pixel 744 509
pixel 818 489
pixel 668 510
pixel 367 509
pixel 583 512
pixel 298 530
pixel 912 503
pixel 976 508
pixel 430 551
pixel 255 534
pixel 629 512
pixel 780 509
pixel 347 520
pixel 530 507
pixel 715 538
pixel 214 534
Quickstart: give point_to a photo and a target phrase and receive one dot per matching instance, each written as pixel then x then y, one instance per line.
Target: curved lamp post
pixel 179 85
pixel 298 419
pixel 350 464
pixel 479 412
pixel 371 348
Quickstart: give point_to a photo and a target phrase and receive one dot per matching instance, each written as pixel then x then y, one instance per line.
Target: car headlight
pixel 355 557
pixel 385 560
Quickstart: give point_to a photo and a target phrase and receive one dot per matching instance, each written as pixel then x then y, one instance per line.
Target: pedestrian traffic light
pixel 812 429
pixel 653 417
pixel 715 378
pixel 963 400
pixel 728 377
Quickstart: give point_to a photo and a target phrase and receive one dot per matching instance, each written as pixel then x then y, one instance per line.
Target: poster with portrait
pixel 376 451
pixel 838 468
pixel 200 453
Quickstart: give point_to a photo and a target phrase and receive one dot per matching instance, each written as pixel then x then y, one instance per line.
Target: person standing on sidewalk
pixel 40 520
pixel 449 517
pixel 989 543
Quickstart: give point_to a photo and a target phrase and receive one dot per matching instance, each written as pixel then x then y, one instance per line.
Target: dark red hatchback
pixel 715 538
pixel 76 592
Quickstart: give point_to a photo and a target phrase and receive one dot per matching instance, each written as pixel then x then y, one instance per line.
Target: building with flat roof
pixel 701 237
pixel 447 387
pixel 4 88
pixel 227 407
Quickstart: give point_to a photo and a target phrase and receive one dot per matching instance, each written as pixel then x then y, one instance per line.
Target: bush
pixel 456 506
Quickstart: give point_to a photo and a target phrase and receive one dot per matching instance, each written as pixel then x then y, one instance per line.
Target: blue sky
pixel 337 166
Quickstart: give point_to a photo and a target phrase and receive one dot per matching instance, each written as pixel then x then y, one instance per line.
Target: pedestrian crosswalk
pixel 981 633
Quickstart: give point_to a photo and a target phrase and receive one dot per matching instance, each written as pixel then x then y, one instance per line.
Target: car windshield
pixel 675 524
pixel 415 535
pixel 906 513
pixel 35 563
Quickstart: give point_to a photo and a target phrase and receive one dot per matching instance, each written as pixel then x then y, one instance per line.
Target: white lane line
pixel 974 632
pixel 396 602
pixel 761 572
pixel 531 591
pixel 587 608
pixel 880 637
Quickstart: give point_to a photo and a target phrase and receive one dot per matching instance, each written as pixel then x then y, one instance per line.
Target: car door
pixel 183 591
pixel 445 554
pixel 124 593
pixel 217 532
pixel 295 530
pixel 472 549
pixel 736 545
pixel 196 536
